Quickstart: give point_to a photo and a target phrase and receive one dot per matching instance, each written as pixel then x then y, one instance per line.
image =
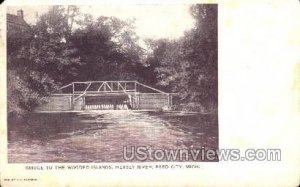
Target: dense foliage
pixel 189 65
pixel 64 46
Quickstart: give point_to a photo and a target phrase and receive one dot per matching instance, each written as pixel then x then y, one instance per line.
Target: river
pixel 100 136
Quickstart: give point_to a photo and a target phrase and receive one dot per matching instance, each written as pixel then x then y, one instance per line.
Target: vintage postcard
pixel 150 93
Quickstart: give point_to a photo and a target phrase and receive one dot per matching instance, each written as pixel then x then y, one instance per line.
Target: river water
pixel 100 136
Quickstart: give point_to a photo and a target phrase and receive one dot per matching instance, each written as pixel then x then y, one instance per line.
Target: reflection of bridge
pixel 114 95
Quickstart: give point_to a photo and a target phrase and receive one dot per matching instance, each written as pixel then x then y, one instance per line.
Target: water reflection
pixel 100 136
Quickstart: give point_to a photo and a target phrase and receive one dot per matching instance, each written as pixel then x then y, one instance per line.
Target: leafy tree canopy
pixel 65 46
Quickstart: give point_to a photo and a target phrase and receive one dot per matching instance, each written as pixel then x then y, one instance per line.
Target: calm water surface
pixel 100 136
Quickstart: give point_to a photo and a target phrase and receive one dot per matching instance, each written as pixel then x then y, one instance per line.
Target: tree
pixel 201 50
pixel 188 66
pixel 65 48
pixel 39 64
pixel 108 48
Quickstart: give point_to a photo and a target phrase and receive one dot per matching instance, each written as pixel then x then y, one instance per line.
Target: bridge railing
pixel 134 90
pixel 107 87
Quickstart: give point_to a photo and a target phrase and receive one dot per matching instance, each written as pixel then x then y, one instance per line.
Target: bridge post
pixel 169 100
pixel 138 101
pixel 83 103
pixel 72 97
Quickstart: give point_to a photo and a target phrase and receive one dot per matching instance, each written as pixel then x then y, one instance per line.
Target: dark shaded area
pixel 118 99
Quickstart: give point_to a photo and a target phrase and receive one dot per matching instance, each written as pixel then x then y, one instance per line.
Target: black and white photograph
pixel 149 93
pixel 112 83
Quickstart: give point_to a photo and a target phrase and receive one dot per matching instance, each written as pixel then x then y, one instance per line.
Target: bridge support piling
pixel 72 97
pixel 83 103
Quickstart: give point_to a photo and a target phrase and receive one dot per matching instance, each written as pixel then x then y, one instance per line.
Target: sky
pixel 152 21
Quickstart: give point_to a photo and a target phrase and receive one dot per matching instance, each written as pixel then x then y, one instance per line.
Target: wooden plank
pixel 65 86
pixel 83 92
pixel 108 86
pixel 102 82
pixel 121 86
pixel 100 87
pixel 151 88
pixel 72 98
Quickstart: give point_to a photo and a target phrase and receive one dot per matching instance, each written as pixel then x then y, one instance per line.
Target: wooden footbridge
pixel 107 95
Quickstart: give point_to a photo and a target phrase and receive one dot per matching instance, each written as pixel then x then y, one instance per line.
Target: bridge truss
pixel 133 89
